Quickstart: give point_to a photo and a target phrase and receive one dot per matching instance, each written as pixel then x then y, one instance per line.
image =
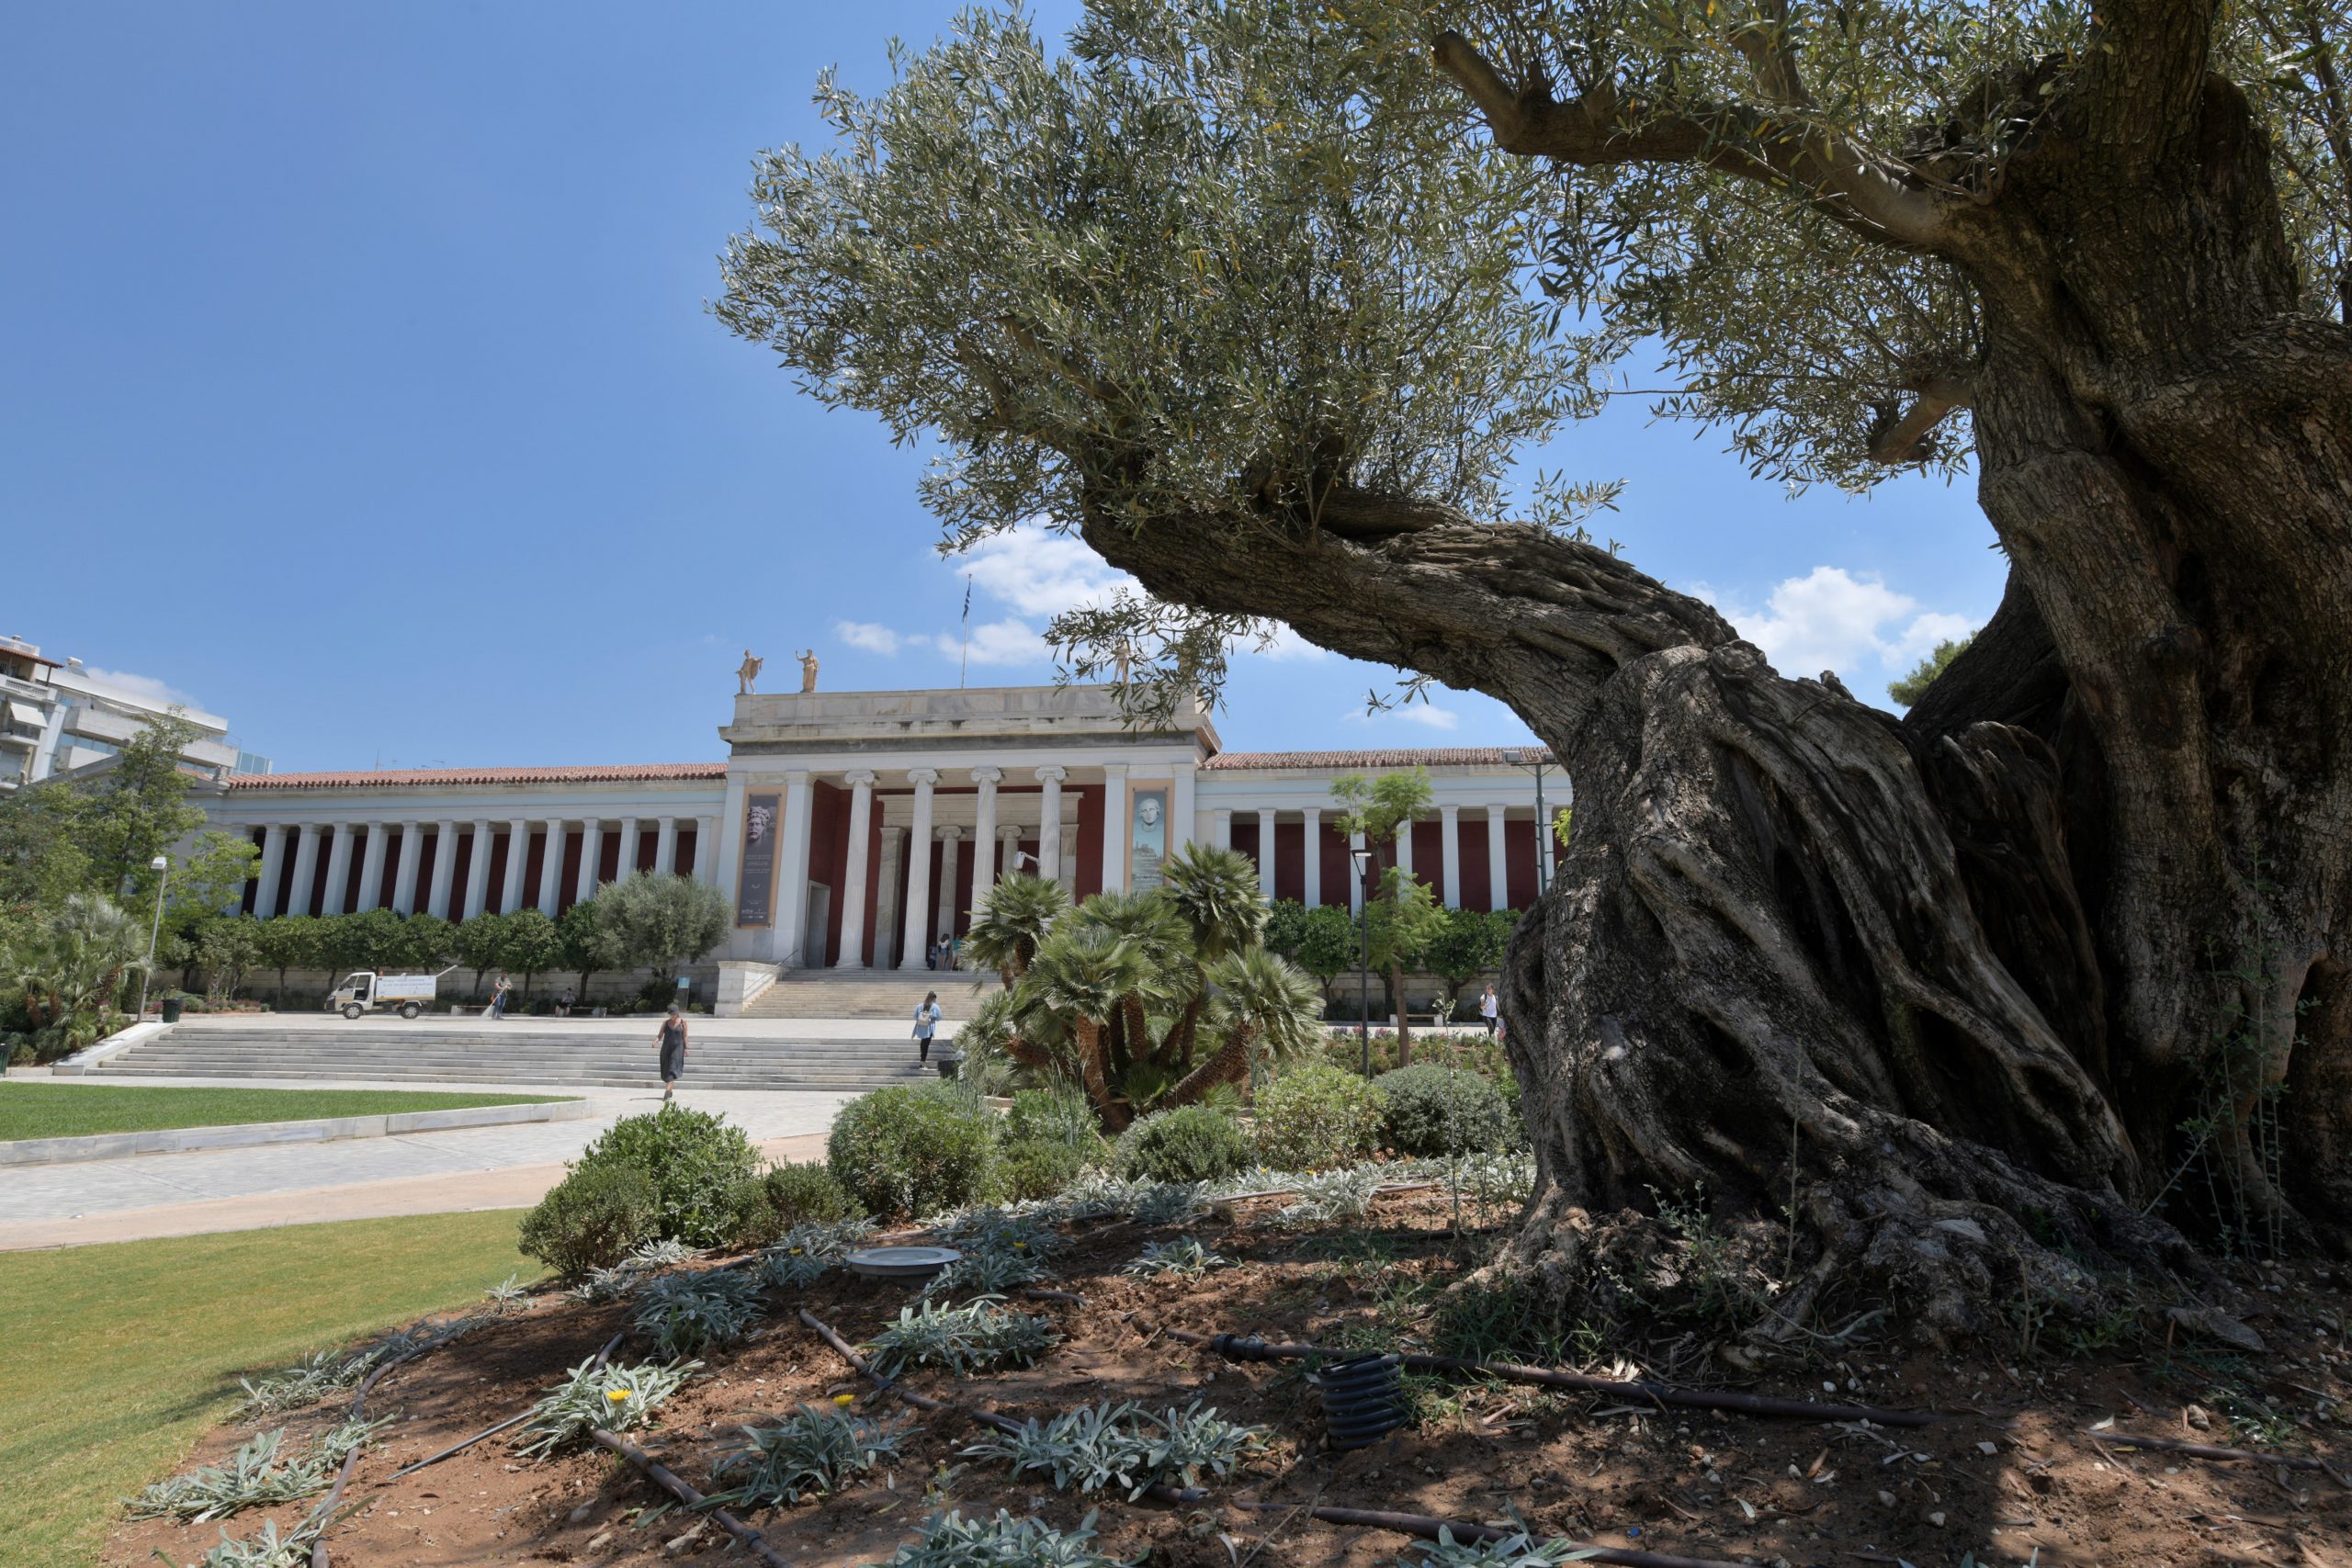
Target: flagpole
pixel 965 668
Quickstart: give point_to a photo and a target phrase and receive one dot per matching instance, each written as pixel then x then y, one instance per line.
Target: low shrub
pixel 1189 1144
pixel 906 1151
pixel 1430 1110
pixel 1317 1117
pixel 696 1162
pixel 1051 1115
pixel 1037 1167
pixel 787 1195
pixel 590 1219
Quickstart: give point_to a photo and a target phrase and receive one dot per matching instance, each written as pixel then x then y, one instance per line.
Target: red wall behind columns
pixel 466 847
pixel 1429 855
pixel 827 851
pixel 535 859
pixel 1519 845
pixel 687 836
pixel 574 846
pixel 608 853
pixel 253 836
pixel 1245 839
pixel 502 845
pixel 1475 879
pixel 286 874
pixel 1290 859
pixel 1088 880
pixel 429 852
pixel 1339 871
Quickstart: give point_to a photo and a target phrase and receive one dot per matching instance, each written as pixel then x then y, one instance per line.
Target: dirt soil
pixel 2027 1475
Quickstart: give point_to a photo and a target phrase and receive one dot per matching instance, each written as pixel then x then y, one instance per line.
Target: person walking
pixel 500 996
pixel 927 1016
pixel 563 999
pixel 672 1042
pixel 1490 1008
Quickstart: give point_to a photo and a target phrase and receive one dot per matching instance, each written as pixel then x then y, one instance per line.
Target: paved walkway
pixel 420 1173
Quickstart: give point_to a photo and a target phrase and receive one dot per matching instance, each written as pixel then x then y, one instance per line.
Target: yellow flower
pixel 616 1395
pixel 844 1399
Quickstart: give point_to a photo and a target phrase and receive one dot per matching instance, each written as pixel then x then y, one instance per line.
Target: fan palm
pixel 1150 924
pixel 1263 1006
pixel 1012 924
pixel 1218 893
pixel 1088 974
pixel 75 963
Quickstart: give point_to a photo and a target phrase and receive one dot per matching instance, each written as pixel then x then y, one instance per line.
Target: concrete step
pixel 868 994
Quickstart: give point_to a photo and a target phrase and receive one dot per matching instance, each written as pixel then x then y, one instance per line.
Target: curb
pixel 255 1134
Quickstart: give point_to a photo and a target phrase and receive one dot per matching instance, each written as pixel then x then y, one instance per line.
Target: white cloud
pixel 870 636
pixel 1037 573
pixel 1832 619
pixel 1427 715
pixel 998 642
pixel 147 686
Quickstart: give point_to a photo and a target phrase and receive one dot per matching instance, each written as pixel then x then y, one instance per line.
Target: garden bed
pixel 2025 1468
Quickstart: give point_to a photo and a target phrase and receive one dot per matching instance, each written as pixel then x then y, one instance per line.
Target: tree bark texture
pixel 2059 949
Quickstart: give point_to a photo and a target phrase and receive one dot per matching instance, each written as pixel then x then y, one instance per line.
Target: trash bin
pixel 171 1009
pixel 949 1062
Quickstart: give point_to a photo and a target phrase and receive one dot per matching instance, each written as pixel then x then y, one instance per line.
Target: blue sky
pixel 355 381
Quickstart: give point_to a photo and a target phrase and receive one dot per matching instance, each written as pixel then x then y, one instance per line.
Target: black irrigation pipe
pixel 454 1449
pixel 325 1511
pixel 1235 1348
pixel 1158 1490
pixel 670 1482
pixel 1427 1526
pixel 2208 1450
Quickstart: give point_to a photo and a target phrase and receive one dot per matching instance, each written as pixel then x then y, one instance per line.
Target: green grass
pixel 73 1110
pixel 124 1354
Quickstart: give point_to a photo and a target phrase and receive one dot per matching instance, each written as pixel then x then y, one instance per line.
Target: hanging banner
pixel 756 873
pixel 1147 840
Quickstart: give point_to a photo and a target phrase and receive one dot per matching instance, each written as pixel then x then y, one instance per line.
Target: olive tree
pixel 1262 301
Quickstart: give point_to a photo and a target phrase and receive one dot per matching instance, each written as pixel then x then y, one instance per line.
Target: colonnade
pixel 1446 875
pixel 371 839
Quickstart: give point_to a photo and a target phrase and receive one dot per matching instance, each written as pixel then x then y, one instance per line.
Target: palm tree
pixel 75 964
pixel 1088 974
pixel 1265 1007
pixel 1012 924
pixel 1150 924
pixel 1217 893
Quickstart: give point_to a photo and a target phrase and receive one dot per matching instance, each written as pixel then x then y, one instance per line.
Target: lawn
pixel 124 1354
pixel 73 1110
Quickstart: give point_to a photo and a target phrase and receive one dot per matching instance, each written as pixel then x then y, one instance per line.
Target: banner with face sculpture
pixel 1147 839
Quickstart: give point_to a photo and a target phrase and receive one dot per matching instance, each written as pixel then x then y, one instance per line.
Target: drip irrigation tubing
pixel 1236 1348
pixel 324 1513
pixel 663 1477
pixel 1427 1526
pixel 458 1448
pixel 1158 1490
pixel 2209 1450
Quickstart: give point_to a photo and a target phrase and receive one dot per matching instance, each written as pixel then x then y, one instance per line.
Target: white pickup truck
pixel 365 988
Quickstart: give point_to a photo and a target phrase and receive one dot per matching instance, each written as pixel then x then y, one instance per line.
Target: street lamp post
pixel 162 868
pixel 1538 764
pixel 1363 986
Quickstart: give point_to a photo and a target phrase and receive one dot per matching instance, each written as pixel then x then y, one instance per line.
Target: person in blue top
pixel 927 1017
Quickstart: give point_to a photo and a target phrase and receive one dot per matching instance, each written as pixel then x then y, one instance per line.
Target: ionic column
pixel 917 938
pixel 477 870
pixel 411 864
pixel 1311 892
pixel 948 838
pixel 1450 852
pixel 1497 862
pixel 1221 826
pixel 885 908
pixel 273 860
pixel 792 870
pixel 518 856
pixel 551 869
pixel 1179 807
pixel 445 868
pixel 337 871
pixel 306 870
pixel 1355 877
pixel 1049 821
pixel 592 855
pixel 1405 846
pixel 1266 851
pixel 665 846
pixel 1116 827
pixel 861 827
pixel 371 869
pixel 984 835
pixel 706 850
pixel 627 867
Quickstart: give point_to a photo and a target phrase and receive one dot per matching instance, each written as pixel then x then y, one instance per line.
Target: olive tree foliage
pixel 1327 297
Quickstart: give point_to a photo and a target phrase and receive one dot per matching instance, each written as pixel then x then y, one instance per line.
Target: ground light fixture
pixel 162 868
pixel 1364 986
pixel 1538 764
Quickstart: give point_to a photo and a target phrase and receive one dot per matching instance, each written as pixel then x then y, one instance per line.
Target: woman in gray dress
pixel 673 1044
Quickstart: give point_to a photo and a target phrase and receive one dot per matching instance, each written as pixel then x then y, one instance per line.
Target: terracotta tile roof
pixel 1397 757
pixel 397 777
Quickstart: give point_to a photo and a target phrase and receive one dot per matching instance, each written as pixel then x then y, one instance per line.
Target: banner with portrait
pixel 756 874
pixel 1147 839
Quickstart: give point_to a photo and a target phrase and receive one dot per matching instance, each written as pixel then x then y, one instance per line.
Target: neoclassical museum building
pixel 851 829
